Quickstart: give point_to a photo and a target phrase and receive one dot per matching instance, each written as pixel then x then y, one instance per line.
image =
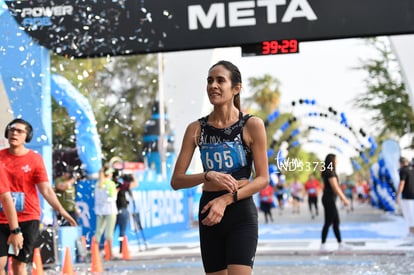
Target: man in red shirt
pixel 313 187
pixel 266 202
pixel 27 175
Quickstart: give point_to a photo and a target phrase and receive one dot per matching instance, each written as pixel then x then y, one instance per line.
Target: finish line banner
pixel 98 28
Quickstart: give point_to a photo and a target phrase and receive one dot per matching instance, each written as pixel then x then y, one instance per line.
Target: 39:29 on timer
pixel 280 46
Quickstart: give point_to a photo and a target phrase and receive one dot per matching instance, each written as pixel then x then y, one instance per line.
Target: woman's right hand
pixel 346 202
pixel 222 181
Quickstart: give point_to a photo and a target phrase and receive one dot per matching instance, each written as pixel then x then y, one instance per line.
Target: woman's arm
pixel 333 181
pixel 180 179
pixel 50 196
pixel 399 191
pixel 255 136
pixel 101 179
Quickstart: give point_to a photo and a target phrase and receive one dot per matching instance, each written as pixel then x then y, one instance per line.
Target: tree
pixel 264 92
pixel 386 96
pixel 130 87
pixel 264 99
pixel 81 73
pixel 121 91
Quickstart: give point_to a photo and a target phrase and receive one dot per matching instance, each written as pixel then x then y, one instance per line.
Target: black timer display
pixel 271 47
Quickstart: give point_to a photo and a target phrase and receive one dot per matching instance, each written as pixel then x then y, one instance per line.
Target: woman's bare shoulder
pixel 255 122
pixel 193 125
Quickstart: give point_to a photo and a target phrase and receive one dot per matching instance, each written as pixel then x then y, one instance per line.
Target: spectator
pixel 405 194
pixel 266 202
pixel 349 189
pixel 124 183
pixel 280 192
pixel 362 191
pixel 105 207
pixel 296 191
pixel 65 189
pixel 313 188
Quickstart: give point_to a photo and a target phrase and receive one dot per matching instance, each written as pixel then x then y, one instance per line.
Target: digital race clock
pixel 271 47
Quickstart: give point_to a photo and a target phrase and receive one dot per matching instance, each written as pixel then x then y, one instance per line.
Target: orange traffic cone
pixel 107 251
pixel 9 266
pixel 67 268
pixel 125 249
pixel 96 263
pixel 37 265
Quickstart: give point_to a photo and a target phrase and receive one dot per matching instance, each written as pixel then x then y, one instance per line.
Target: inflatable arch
pixel 87 138
pixel 383 173
pixel 307 111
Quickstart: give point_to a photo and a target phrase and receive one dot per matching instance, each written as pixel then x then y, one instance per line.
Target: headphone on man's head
pixel 29 129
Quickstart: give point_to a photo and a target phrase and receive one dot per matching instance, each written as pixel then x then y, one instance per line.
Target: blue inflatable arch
pixel 87 138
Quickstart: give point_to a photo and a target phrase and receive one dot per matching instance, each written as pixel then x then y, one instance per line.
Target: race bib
pixel 18 199
pixel 223 157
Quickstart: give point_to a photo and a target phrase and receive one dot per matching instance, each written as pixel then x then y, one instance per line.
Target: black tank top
pixel 327 188
pixel 224 150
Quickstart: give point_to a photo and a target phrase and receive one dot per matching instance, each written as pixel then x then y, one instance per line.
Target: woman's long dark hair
pixel 235 77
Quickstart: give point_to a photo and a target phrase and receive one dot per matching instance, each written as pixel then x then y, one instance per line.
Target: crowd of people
pixel 112 197
pixel 296 193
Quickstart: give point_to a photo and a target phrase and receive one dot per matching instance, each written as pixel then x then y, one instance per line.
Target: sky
pixel 323 71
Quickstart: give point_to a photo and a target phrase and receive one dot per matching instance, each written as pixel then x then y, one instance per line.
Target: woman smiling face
pixel 220 88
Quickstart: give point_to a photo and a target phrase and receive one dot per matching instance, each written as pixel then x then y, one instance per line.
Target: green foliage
pixel 264 93
pixel 386 96
pixel 121 91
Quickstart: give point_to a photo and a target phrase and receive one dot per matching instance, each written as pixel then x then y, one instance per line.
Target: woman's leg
pixel 329 209
pixel 335 223
pixel 122 221
pixel 100 227
pixel 109 231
